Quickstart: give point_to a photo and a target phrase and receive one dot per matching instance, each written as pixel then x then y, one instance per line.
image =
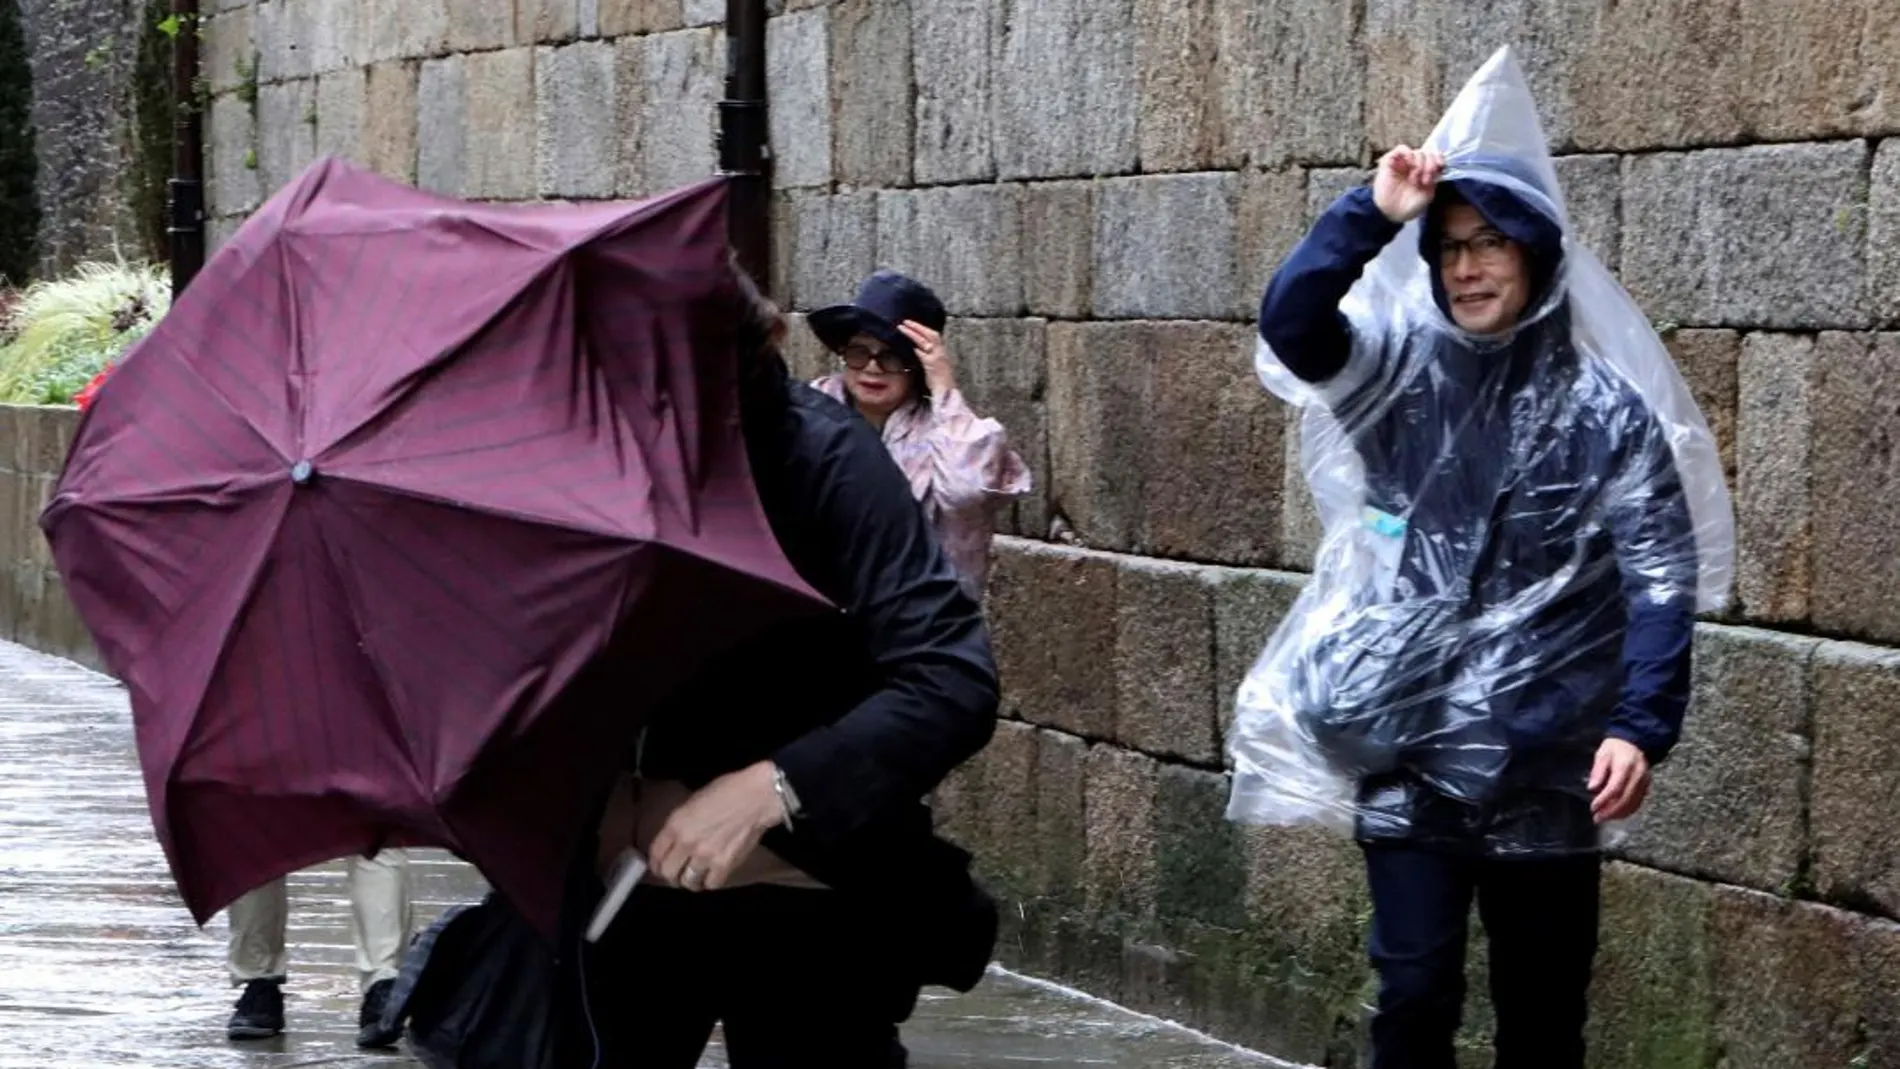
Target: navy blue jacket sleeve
pixel 1655 547
pixel 937 706
pixel 1299 313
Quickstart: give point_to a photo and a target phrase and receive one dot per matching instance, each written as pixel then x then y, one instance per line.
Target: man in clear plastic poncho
pixel 1523 512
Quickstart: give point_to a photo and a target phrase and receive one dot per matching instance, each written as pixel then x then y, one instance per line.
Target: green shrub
pixel 61 333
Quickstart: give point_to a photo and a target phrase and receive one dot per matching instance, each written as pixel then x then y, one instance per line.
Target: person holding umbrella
pixel 898 375
pixel 796 892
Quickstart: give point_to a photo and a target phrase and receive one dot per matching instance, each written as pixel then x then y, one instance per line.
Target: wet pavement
pixel 101 965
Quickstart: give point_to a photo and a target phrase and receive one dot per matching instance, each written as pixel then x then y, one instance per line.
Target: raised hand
pixel 1406 182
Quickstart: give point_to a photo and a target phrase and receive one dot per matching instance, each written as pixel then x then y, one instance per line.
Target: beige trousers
pixel 382 916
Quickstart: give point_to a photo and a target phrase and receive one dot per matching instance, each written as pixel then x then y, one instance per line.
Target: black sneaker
pixel 260 1011
pixel 371 1032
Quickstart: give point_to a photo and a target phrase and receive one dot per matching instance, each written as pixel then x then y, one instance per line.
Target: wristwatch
pixel 787 798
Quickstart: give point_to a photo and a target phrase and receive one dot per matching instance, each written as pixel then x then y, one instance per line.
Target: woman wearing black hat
pixel 898 375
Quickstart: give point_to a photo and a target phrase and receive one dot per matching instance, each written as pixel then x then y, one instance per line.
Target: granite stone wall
pixel 1099 188
pixel 84 56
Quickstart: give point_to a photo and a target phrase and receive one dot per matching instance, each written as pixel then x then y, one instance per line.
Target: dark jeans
pixel 792 975
pixel 1541 919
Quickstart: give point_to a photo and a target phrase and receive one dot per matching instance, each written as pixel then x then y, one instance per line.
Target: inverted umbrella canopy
pixel 403 517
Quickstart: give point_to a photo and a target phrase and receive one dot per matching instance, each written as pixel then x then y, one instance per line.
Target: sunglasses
pixel 857 357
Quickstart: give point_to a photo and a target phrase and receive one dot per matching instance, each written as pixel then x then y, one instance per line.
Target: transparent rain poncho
pixel 1498 513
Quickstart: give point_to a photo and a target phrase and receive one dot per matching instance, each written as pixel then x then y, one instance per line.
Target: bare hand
pixel 1619 782
pixel 938 373
pixel 707 837
pixel 1406 182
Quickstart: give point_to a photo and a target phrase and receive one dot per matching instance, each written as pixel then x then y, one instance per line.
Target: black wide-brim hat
pixel 884 300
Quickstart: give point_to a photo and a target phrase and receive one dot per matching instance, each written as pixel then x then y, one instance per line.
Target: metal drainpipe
pixel 744 157
pixel 186 230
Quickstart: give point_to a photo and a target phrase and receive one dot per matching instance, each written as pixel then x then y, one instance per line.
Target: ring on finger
pixel 691 878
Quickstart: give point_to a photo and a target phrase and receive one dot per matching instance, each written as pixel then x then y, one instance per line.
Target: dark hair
pixel 760 322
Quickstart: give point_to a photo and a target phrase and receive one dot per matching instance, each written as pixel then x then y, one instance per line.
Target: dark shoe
pixel 260 1011
pixel 371 1032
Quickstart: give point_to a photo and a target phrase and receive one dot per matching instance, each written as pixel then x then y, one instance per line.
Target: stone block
pixel 1774 506
pixel 227 52
pixel 390 121
pixel 1002 370
pixel 441 128
pixel 1058 248
pixel 231 143
pixel 871 91
pixel 1120 862
pixel 1211 418
pixel 283 32
pixel 1304 943
pixel 1856 774
pixel 575 102
pixel 1593 197
pixel 1301 529
pixel 1144 268
pixel 342 107
pixel 804 353
pixel 1856 487
pixel 1740 766
pixel 1201 860
pixel 1291 82
pixel 218 231
pixel 954 99
pixel 1061 815
pixel 404 29
pixel 798 57
pixel 335 43
pixel 1405 72
pixel 1050 611
pixel 1100 402
pixel 1665 74
pixel 670 85
pixel 547 21
pixel 1800 982
pixel 1707 235
pixel 1877 97
pixel 1175 53
pixel 480 25
pixel 965 242
pixel 1164 658
pixel 621 17
pixel 1001 803
pixel 1883 233
pixel 286 132
pixel 1654 995
pixel 1066 90
pixel 1324 185
pixel 1270 219
pixel 1709 361
pixel 499 115
pixel 709 12
pixel 833 245
pixel 1132 406
pixel 1249 606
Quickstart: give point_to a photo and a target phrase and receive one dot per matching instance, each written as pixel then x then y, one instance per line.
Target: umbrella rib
pixel 446 501
pixel 407 384
pixel 347 592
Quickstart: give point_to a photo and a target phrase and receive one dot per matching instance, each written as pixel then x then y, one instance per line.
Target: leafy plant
pixel 61 333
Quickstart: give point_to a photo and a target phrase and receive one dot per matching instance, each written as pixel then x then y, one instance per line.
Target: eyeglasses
pixel 1487 247
pixel 858 356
